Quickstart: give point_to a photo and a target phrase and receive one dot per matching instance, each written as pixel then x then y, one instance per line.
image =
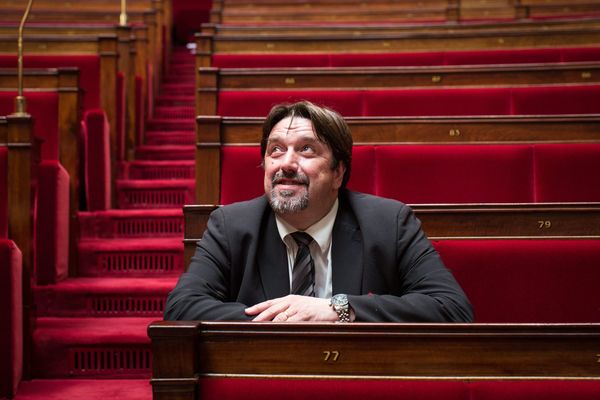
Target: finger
pixel 258 308
pixel 281 317
pixel 270 313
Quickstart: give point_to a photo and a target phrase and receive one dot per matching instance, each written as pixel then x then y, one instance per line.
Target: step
pixel 130 258
pixel 175 112
pixel 164 193
pixel 104 297
pixel 175 100
pixel 154 138
pixel 156 169
pixel 167 124
pixel 127 224
pixel 91 347
pixel 164 153
pixel 88 389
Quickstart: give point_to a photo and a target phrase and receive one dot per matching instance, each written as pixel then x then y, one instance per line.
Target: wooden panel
pixel 185 351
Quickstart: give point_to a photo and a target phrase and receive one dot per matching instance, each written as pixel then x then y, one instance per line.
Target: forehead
pixel 292 128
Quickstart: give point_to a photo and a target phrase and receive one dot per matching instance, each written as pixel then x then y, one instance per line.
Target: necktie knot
pixel 302 238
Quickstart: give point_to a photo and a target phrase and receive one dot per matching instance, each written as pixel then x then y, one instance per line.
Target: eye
pixel 308 148
pixel 275 150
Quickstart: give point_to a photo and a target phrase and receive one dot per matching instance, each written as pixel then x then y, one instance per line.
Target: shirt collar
pixel 320 231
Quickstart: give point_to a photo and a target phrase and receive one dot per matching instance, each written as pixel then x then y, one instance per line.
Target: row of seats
pixel 456 57
pixel 429 174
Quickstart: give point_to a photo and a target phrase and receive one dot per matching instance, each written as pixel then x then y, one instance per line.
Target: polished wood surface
pixel 186 351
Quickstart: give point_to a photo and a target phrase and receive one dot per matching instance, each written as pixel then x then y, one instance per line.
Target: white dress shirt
pixel 320 249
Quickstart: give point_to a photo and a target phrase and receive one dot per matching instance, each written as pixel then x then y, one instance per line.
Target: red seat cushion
pixel 386 59
pixel 11 318
pixel 567 172
pixel 454 173
pixel 527 281
pixel 509 56
pixel 270 60
pixel 580 54
pixel 361 176
pixel 52 224
pixel 258 103
pixel 3 193
pixel 241 173
pixel 559 99
pixel 423 102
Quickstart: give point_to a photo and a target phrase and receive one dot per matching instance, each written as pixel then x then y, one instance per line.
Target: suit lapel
pixel 272 261
pixel 346 253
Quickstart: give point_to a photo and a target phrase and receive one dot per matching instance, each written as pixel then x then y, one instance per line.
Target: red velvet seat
pixel 259 102
pixel 52 224
pixel 527 281
pixel 11 318
pixel 3 192
pixel 454 174
pixel 242 173
pixel 422 102
pixel 97 168
pixel 567 172
pixel 387 59
pixel 504 56
pixel 558 99
pixel 269 60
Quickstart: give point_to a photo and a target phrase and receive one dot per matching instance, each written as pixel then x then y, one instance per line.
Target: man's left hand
pixel 293 308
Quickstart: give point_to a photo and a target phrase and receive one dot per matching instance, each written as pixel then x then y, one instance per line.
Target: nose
pixel 289 162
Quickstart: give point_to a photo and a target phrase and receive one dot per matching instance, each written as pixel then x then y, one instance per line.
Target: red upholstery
pixel 97 161
pixel 580 54
pixel 259 102
pixel 121 113
pixel 326 389
pixel 535 389
pixel 508 56
pixel 52 223
pixel 11 318
pixel 3 193
pixel 559 99
pixel 418 174
pixel 386 59
pixel 269 60
pixel 88 65
pixel 533 281
pixel 242 174
pixel 460 57
pixel 567 172
pixel 43 106
pixel 414 389
pixel 421 102
pixel 454 174
pixel 140 110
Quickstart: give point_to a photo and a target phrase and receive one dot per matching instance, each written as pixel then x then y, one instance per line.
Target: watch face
pixel 339 300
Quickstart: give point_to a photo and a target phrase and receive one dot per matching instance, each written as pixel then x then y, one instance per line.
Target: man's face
pixel 298 170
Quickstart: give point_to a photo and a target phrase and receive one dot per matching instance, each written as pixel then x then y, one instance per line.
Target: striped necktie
pixel 303 273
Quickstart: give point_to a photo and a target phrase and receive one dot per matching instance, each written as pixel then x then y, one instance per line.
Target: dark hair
pixel 329 127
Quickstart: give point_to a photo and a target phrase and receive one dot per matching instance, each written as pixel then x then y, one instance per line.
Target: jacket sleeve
pixel 202 293
pixel 426 291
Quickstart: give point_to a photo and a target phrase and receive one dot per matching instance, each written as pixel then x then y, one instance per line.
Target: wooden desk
pixel 185 352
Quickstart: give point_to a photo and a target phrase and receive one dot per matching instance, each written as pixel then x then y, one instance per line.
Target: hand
pixel 293 308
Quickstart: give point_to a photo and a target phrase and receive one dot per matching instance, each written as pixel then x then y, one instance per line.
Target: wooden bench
pixel 61 140
pixel 208 45
pixel 212 81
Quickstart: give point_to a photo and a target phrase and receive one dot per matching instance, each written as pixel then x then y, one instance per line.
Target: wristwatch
pixel 340 305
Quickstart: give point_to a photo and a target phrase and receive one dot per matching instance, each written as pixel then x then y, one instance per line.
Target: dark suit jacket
pixel 380 258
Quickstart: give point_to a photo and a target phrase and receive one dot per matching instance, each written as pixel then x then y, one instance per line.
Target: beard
pixel 289 201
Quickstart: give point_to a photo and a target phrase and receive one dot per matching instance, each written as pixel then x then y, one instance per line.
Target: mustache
pixel 298 177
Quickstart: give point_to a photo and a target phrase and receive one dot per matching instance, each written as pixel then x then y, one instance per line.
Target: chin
pixel 288 203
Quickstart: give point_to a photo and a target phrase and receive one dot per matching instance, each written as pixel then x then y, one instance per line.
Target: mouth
pixel 296 180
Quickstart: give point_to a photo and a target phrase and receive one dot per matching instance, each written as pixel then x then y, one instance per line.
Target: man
pixel 359 258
